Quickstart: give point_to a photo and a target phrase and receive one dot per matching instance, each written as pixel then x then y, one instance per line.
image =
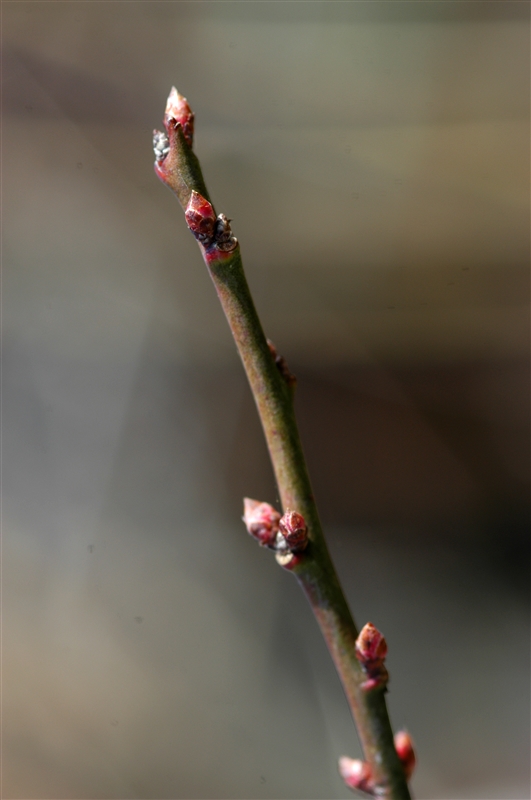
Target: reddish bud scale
pixel 200 217
pixel 213 232
pixel 405 751
pixel 261 520
pixel 356 774
pixel 295 531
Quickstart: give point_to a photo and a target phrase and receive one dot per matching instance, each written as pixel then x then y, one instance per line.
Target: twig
pixel 298 540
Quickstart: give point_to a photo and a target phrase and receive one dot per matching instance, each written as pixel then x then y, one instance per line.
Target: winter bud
pixel 178 110
pixel 294 530
pixel 356 774
pixel 261 520
pixel 405 751
pixel 224 237
pixel 200 218
pixel 371 649
pixel 370 644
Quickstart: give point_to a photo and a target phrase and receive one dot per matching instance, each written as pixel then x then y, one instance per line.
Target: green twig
pixel 178 167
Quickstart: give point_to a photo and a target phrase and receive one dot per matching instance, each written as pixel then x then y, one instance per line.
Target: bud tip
pixel 178 110
pixel 406 752
pixel 261 521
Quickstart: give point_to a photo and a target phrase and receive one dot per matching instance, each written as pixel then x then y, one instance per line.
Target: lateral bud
pixel 161 145
pixel 178 110
pixel 224 237
pixel 406 752
pixel 261 521
pixel 371 650
pixel 294 530
pixel 356 774
pixel 282 366
pixel 200 218
pixel 213 232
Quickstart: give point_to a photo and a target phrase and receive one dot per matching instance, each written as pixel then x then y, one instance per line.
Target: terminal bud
pixel 178 110
pixel 261 521
pixel 294 530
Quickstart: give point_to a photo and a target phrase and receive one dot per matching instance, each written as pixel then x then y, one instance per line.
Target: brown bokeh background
pixel 374 158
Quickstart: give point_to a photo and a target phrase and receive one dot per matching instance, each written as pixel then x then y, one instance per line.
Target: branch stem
pixel 315 573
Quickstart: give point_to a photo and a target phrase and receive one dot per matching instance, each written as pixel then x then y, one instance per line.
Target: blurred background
pixel 374 158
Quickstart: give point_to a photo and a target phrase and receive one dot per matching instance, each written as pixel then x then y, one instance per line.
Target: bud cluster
pixel 213 232
pixel 287 534
pixel 358 775
pixel 371 650
pixel 206 227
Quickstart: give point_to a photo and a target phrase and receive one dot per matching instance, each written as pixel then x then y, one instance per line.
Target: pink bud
pixel 405 751
pixel 356 774
pixel 371 649
pixel 178 110
pixel 261 520
pixel 200 217
pixel 295 531
pixel 370 645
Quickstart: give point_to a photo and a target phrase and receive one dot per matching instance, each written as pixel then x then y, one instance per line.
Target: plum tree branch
pixel 364 679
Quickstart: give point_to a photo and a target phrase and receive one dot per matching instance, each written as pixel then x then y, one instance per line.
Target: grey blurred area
pixel 374 159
